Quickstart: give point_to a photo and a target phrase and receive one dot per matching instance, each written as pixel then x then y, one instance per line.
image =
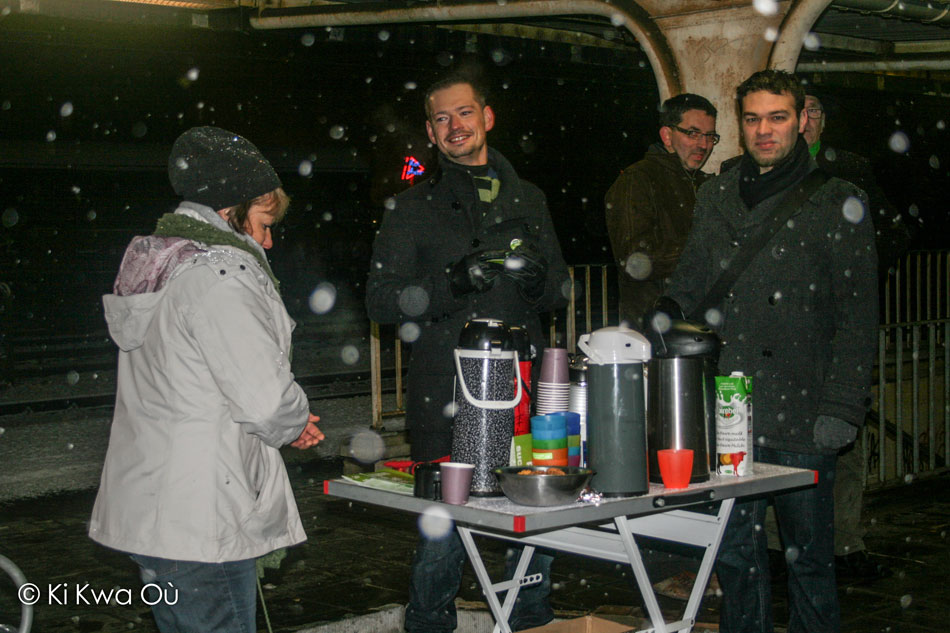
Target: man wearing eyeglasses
pixel 649 208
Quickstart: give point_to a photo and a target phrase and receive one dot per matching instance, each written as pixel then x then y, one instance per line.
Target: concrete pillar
pixel 715 49
pixel 795 28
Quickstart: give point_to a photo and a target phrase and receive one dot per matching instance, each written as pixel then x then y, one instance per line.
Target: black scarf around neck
pixel 755 187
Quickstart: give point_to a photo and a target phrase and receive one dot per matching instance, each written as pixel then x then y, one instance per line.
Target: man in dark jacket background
pixel 892 239
pixel 801 319
pixel 473 240
pixel 649 207
pixel 893 233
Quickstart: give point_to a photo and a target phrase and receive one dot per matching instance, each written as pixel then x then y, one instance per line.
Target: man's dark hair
pixel 673 109
pixel 453 78
pixel 777 82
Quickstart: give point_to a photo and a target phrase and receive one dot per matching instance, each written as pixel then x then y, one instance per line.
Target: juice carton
pixel 734 424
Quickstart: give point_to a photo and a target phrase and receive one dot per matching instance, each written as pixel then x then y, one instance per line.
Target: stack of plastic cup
pixel 553 390
pixel 549 440
pixel 573 438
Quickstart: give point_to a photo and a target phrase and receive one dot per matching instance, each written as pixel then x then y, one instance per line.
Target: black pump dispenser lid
pixel 486 335
pixel 684 339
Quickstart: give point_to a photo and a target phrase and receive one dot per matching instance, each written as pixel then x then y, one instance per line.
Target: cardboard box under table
pixel 586 624
pixel 607 530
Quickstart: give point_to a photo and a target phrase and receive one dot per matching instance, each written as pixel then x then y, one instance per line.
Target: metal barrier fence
pixel 919 289
pixel 592 304
pixel 912 385
pixel 908 434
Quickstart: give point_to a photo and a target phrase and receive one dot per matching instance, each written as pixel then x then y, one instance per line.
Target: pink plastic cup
pixel 456 482
pixel 554 366
pixel 676 466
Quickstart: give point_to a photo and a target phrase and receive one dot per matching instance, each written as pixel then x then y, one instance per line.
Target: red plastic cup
pixel 676 466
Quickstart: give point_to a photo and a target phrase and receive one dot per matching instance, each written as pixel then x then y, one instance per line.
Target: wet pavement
pixel 357 560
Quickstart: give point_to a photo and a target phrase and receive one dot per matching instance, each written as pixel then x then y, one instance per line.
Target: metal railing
pixel 908 433
pixel 919 288
pixel 592 304
pixel 908 429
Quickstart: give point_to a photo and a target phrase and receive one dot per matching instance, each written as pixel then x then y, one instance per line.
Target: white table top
pixel 498 513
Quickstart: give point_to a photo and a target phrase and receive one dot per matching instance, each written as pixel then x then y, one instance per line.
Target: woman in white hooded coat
pixel 193 485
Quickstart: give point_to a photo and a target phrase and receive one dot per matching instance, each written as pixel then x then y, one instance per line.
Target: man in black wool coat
pixel 801 319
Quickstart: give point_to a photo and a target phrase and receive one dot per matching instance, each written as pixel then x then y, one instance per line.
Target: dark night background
pixel 88 112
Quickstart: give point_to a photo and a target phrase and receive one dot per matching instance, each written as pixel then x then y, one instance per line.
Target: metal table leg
pixel 695 529
pixel 614 542
pixel 709 560
pixel 640 573
pixel 501 612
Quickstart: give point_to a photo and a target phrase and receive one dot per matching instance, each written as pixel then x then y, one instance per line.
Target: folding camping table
pixel 606 530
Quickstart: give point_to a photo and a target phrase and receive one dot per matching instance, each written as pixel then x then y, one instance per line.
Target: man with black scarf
pixel 801 319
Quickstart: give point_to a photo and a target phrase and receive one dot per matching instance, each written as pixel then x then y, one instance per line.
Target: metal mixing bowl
pixel 543 490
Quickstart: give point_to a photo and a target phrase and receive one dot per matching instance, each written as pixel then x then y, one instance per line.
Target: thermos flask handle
pixel 582 343
pixel 489 404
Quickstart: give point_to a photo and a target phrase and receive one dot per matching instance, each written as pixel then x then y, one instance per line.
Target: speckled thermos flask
pixel 486 394
pixel 616 411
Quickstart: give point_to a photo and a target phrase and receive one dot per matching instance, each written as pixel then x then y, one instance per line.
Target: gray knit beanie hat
pixel 218 169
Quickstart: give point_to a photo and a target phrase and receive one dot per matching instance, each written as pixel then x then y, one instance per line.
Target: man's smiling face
pixel 458 124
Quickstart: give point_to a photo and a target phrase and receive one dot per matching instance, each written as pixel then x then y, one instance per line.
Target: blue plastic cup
pixel 555 423
pixel 537 434
pixel 573 422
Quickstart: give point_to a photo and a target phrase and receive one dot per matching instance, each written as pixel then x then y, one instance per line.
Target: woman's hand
pixel 310 436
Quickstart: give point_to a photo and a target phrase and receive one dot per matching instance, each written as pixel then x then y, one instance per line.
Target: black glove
pixel 833 433
pixel 527 268
pixel 476 272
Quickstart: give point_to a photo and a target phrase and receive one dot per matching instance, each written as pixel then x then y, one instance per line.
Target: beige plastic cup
pixel 456 482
